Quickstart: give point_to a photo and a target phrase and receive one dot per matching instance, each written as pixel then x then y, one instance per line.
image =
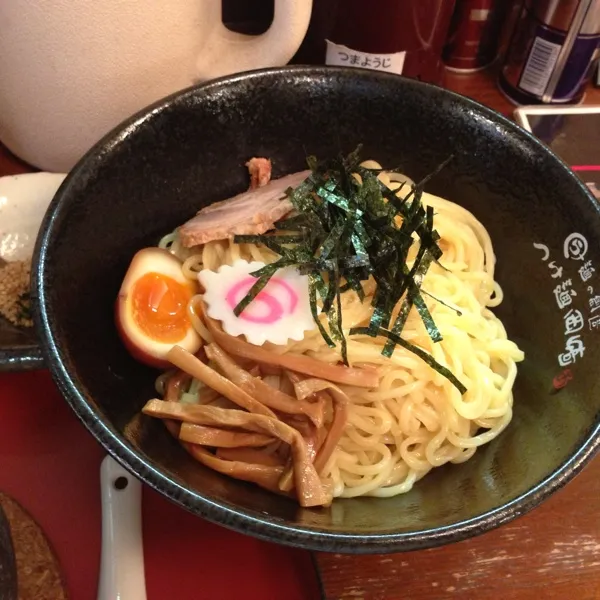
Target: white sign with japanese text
pixel 339 55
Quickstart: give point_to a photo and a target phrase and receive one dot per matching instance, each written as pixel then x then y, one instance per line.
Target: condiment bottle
pixel 474 37
pixel 553 52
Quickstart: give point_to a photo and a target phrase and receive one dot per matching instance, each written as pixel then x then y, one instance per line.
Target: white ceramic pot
pixel 70 70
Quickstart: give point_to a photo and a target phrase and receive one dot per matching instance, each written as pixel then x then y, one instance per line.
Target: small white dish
pixel 23 203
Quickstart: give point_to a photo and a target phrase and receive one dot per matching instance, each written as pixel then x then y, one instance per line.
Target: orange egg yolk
pixel 159 306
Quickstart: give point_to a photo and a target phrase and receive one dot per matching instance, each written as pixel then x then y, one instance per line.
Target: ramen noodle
pixel 392 433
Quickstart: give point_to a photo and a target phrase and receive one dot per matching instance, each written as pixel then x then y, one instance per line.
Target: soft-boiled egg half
pixel 151 309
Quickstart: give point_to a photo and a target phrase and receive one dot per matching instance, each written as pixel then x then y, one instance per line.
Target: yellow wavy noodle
pixel 415 419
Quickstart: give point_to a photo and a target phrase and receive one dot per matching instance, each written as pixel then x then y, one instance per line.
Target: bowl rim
pixel 266 528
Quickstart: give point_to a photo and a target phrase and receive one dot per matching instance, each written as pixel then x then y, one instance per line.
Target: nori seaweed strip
pixel 260 239
pixel 299 195
pixel 352 262
pixel 348 229
pixel 430 326
pixel 256 288
pixel 356 262
pixel 386 192
pixel 328 301
pixel 270 269
pixel 360 248
pixel 456 310
pixel 295 222
pixel 412 282
pixel 331 242
pixel 353 283
pixel 326 193
pixel 320 284
pixel 263 276
pixel 382 313
pixel 410 285
pixel 435 172
pixel 352 161
pixel 314 309
pixel 434 364
pixel 340 326
pixel 315 265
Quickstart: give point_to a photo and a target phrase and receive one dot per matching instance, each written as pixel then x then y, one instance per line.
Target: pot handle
pixel 228 52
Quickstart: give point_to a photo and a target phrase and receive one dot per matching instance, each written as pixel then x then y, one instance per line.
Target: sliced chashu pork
pixel 251 213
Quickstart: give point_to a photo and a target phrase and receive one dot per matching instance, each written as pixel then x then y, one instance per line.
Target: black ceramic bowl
pixel 160 167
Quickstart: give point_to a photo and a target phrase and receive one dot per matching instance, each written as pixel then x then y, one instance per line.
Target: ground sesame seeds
pixel 14 292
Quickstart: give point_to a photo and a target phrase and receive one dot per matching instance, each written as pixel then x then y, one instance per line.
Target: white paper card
pixel 339 55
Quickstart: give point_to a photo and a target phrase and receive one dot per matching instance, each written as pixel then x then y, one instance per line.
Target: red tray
pixel 50 464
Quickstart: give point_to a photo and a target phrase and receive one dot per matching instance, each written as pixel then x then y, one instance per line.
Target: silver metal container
pixel 553 52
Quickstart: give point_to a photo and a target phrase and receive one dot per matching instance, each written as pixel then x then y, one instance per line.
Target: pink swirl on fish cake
pixel 276 310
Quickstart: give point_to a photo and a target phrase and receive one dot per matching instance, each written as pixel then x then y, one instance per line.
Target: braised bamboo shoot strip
pixel 196 368
pixel 262 391
pixel 214 437
pixel 305 389
pixel 365 378
pixel 309 490
pixel 256 456
pixel 263 475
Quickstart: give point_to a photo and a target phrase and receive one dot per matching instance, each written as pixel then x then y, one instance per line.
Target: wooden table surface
pixel 551 553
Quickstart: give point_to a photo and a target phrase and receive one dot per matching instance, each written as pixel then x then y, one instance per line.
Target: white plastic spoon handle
pixel 122 574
